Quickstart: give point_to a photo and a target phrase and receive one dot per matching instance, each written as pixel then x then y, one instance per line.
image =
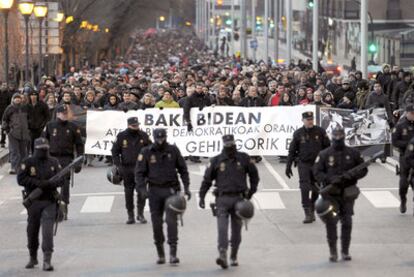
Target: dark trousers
pixel 34 134
pixel 225 209
pixel 404 184
pixel 2 136
pixel 157 197
pixel 65 189
pixel 346 211
pixel 307 185
pixel 128 176
pixel 40 213
pixel 18 151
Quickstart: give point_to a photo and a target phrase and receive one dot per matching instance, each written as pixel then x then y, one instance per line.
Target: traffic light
pixel 311 4
pixel 372 48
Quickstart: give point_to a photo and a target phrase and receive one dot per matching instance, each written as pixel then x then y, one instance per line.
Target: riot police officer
pixel 125 152
pixel 35 172
pixel 331 169
pixel 65 141
pixel 229 171
pixel 401 135
pixel 156 175
pixel 307 142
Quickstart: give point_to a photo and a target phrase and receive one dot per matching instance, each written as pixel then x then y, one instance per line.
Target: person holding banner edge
pixel 305 146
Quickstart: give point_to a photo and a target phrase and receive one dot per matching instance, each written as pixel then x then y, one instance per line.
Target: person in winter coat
pixel 88 103
pixel 112 104
pixel 5 99
pixel 167 101
pixel 16 124
pixel 147 102
pixel 285 100
pixel 39 116
pixel 252 100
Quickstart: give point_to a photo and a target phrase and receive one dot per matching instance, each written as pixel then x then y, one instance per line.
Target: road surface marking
pixel 268 201
pixel 388 166
pixel 24 212
pixel 200 172
pixel 98 204
pixel 382 199
pixel 276 175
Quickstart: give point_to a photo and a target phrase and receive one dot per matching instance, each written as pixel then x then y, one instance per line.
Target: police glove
pixel 347 176
pixel 187 192
pixel 288 171
pixel 249 194
pixel 189 127
pixel 202 203
pixel 143 193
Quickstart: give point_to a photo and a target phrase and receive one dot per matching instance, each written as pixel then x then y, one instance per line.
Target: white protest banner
pixel 265 131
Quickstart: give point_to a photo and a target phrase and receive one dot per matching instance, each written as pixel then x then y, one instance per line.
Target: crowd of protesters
pixel 164 69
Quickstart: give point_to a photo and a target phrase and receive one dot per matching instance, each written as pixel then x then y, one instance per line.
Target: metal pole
pixel 40 51
pixel 276 21
pixel 243 39
pixel 232 27
pixel 364 38
pixel 6 47
pixel 196 18
pixel 207 21
pixel 26 69
pixel 266 29
pixel 213 25
pixel 254 27
pixel 315 35
pixel 289 30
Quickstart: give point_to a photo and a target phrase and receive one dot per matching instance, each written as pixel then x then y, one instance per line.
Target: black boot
pixel 65 212
pixel 161 254
pixel 33 261
pixel 47 262
pixel 140 217
pixel 333 252
pixel 222 259
pixel 131 219
pixel 173 255
pixel 308 217
pixel 312 213
pixel 403 206
pixel 233 257
pixel 345 250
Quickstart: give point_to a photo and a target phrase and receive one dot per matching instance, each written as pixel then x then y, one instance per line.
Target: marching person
pixel 65 141
pixel 331 168
pixel 35 172
pixel 229 171
pixel 306 144
pixel 125 152
pixel 402 134
pixel 156 176
pixel 15 122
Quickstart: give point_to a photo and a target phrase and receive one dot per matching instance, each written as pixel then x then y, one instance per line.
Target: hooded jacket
pixel 16 120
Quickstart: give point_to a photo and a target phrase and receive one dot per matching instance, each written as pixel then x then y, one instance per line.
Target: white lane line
pixel 381 199
pixel 1 177
pixel 268 201
pixel 276 175
pixel 200 172
pixel 392 161
pixel 24 212
pixel 98 204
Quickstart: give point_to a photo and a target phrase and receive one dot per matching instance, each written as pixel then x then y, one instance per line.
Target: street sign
pixel 254 44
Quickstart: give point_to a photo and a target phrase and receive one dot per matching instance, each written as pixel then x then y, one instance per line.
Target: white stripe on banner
pixel 98 204
pixel 260 131
pixel 382 199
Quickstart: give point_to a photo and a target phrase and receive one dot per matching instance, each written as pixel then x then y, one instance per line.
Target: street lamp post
pixel 5 6
pixel 26 9
pixel 40 11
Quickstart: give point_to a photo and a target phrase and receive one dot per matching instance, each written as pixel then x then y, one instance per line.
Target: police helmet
pixel 244 209
pixel 326 209
pixel 113 176
pixel 176 203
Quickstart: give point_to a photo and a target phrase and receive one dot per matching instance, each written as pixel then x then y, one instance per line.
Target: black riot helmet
pixel 338 138
pixel 113 176
pixel 244 209
pixel 176 203
pixel 160 136
pixel 326 209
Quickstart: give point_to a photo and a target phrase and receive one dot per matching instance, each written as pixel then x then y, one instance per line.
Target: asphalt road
pixel 96 242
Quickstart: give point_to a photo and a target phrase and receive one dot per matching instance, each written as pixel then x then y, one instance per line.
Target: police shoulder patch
pixel 317 159
pixel 140 157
